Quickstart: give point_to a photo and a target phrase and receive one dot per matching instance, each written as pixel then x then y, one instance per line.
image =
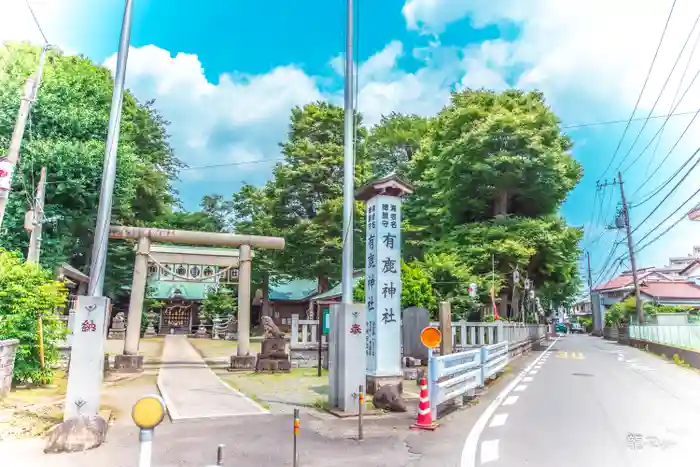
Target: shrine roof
pixel 293 290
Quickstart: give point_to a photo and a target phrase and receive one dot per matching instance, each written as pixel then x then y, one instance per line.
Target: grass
pixel 33 395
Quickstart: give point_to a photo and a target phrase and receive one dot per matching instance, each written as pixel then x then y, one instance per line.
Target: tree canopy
pixel 66 133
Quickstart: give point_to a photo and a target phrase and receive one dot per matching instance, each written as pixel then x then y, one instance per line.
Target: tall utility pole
pixel 35 240
pixel 348 163
pixel 597 316
pixel 109 169
pixel 630 246
pixel 9 162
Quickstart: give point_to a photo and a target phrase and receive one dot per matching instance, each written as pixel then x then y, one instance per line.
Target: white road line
pixel 527 379
pixel 468 458
pixel 498 420
pixel 511 400
pixel 489 451
pixel 520 388
pixel 533 372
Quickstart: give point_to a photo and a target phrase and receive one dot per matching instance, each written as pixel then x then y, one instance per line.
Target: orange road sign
pixel 430 337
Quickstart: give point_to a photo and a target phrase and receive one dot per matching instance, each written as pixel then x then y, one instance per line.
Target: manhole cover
pixel 582 374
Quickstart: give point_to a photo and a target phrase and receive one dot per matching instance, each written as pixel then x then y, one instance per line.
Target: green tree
pixel 66 133
pixel 27 294
pixel 416 289
pixel 489 154
pixel 307 193
pixel 393 142
pixel 219 303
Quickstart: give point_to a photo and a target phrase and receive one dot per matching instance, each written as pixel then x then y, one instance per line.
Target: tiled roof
pixel 671 289
pixel 625 280
pixel 295 289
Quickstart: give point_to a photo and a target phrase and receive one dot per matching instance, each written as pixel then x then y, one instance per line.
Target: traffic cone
pixel 424 421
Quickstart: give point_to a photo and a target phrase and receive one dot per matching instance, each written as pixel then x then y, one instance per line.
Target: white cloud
pixel 433 15
pixel 17 24
pixel 237 119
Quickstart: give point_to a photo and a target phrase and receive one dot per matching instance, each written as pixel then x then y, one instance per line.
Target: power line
pixel 232 164
pixel 663 88
pixel 670 192
pixel 669 216
pixel 673 102
pixel 663 185
pixel 36 21
pixel 615 122
pixel 641 92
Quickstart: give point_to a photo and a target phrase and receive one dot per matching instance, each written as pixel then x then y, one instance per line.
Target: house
pixel 287 297
pixel 673 293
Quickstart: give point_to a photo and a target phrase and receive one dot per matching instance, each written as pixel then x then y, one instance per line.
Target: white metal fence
pixel 454 375
pixel 304 333
pixel 683 336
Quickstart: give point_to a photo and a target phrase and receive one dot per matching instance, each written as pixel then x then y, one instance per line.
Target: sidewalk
pixel 192 391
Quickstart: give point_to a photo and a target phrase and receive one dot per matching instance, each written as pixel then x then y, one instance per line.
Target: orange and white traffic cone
pixel 424 421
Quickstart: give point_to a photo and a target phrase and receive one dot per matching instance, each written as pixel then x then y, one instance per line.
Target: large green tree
pixel 307 191
pixel 394 141
pixel 490 176
pixel 66 133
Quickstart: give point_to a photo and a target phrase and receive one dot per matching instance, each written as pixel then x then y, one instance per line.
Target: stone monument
pixel 8 350
pixel 414 321
pixel 118 329
pixel 273 355
pixel 383 280
pixel 346 356
pixel 82 425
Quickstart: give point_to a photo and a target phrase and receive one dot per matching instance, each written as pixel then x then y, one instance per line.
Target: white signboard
pixel 383 286
pixel 87 357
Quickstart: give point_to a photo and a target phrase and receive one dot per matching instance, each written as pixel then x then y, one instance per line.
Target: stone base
pixel 116 334
pixel 376 382
pixel 128 363
pixel 272 365
pixel 242 362
pixel 77 434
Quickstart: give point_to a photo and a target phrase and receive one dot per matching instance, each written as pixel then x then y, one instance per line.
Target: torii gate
pixel 130 360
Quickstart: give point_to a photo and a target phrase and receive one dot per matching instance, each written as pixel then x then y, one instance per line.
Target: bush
pixel 219 303
pixel 28 292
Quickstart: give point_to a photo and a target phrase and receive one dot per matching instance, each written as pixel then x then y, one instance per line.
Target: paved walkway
pixel 191 390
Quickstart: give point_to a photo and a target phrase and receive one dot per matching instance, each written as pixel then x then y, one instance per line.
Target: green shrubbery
pixel 27 293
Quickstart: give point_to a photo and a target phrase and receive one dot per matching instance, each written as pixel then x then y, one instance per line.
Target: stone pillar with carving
pixel 383 279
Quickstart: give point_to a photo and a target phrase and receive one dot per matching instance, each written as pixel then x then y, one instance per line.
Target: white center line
pixel 510 400
pixel 498 420
pixel 520 388
pixel 527 379
pixel 489 451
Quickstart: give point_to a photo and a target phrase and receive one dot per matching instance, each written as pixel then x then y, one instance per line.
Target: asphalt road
pixel 589 402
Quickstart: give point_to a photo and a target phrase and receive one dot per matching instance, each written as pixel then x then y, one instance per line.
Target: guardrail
pixel 494 359
pixel 453 375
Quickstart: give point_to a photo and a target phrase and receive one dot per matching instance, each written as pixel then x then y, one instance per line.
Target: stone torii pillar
pixel 130 360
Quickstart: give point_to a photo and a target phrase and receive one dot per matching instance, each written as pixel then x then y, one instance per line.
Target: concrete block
pixel 128 363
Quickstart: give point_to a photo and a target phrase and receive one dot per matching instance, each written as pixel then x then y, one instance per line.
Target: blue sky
pixel 226 73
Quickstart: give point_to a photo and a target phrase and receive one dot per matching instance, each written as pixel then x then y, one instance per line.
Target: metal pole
pixel 361 407
pixel 319 315
pixel 630 246
pixel 109 169
pixel 220 454
pixel 145 448
pixel 35 239
pixel 296 433
pixel 348 163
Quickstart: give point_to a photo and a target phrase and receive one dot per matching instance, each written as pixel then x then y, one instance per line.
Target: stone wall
pixel 8 349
